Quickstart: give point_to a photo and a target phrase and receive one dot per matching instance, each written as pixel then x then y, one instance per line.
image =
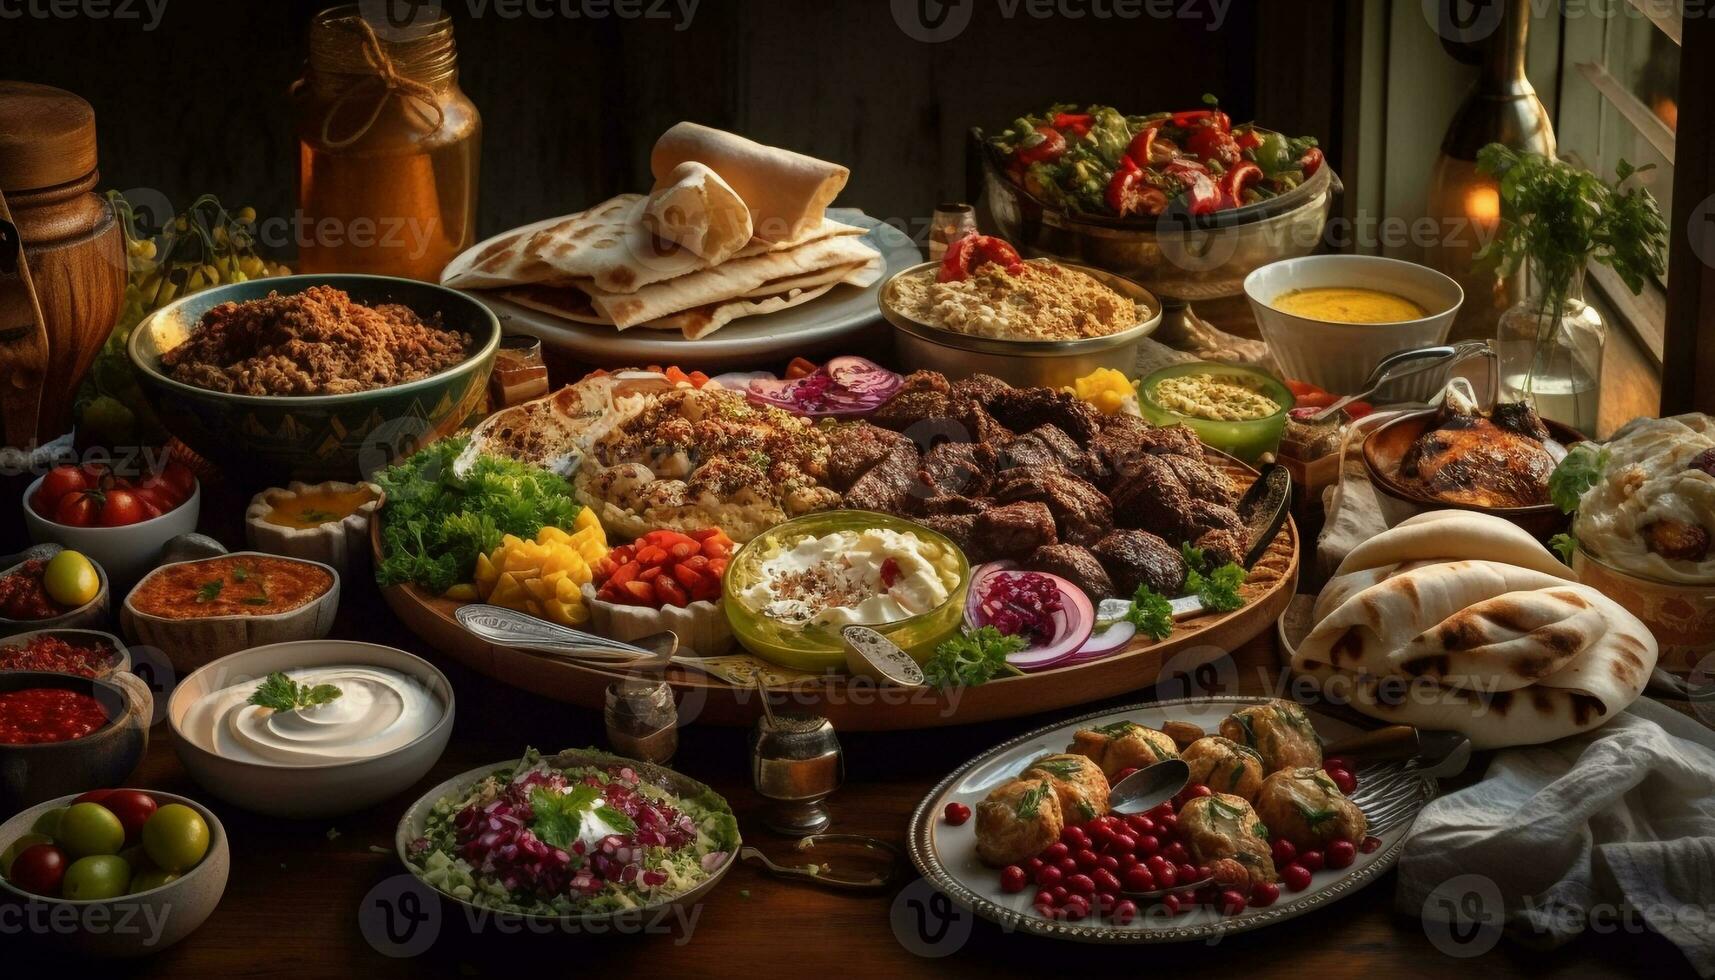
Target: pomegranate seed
pixel 1284 852
pixel 1264 894
pixel 1313 861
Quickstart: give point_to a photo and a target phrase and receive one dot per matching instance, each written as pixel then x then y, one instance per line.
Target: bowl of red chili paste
pixel 61 733
pixel 25 604
pixel 84 653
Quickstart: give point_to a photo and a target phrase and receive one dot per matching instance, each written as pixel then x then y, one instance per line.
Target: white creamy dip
pixel 379 711
pixel 869 577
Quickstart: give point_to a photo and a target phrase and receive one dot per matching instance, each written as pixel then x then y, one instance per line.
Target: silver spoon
pixel 874 655
pixel 510 628
pixel 1149 787
pixel 1405 364
pixel 831 878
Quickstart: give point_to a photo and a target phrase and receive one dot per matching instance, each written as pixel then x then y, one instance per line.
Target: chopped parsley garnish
pixel 1063 768
pixel 1115 729
pixel 281 693
pixel 210 590
pixel 1564 545
pixel 1577 473
pixel 1219 590
pixel 1151 613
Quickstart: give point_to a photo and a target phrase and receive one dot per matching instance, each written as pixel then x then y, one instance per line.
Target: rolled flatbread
pixel 787 192
pixel 1447 534
pixel 693 207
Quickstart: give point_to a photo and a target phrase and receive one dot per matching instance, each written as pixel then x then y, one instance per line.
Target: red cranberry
pixel 1080 885
pixel 1174 852
pixel 1033 865
pixel 1264 894
pixel 1148 844
pixel 1044 897
pixel 1108 862
pixel 1085 858
pixel 1284 852
pixel 1049 876
pixel 1074 837
pixel 1122 843
pixel 1232 902
pixel 1075 907
pixel 1296 877
pixel 1055 851
pixel 1012 879
pixel 1341 854
pixel 1168 877
pixel 1186 873
pixel 1139 879
pixel 1371 844
pixel 1347 782
pixel 1140 824
pixel 1125 912
pixel 957 813
pixel 1312 860
pixel 1123 773
pixel 1171 903
pixel 1106 883
pixel 1068 865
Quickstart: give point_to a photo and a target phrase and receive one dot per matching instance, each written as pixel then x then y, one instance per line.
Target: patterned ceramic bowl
pixel 1682 617
pixel 332 435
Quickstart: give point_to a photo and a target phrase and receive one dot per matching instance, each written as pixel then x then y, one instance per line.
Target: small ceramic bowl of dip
pixel 195 611
pixel 95 736
pixel 91 615
pixel 1326 342
pixel 325 522
pixel 381 734
pixel 1227 405
pixel 153 919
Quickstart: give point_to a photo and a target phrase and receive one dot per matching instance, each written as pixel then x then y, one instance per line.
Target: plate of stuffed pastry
pixel 1268 827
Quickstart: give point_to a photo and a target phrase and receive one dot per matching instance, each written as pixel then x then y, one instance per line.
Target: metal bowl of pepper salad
pixel 1185 203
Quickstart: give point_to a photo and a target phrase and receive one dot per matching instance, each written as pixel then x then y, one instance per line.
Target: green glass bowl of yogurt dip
pixel 790 590
pixel 1238 410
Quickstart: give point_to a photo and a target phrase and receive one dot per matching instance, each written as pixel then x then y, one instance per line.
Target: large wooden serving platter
pixel 858 704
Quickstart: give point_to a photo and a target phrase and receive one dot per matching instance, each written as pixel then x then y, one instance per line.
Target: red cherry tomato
pixel 122 507
pixel 133 808
pixel 180 478
pixel 39 869
pixel 60 481
pixel 94 796
pixel 1311 161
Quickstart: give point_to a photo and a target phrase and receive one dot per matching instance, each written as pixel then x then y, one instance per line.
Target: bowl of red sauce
pixel 84 653
pixel 63 733
pixel 25 604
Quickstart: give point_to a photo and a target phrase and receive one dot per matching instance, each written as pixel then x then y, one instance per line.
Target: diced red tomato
pixel 965 255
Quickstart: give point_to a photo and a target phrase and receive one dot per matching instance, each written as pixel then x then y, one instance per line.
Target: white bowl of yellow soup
pixel 1329 319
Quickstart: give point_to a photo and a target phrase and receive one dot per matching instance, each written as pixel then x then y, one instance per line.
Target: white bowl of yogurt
pixel 383 732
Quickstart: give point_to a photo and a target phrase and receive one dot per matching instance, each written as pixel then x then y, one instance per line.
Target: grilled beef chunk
pixel 958 527
pixel 1152 499
pixel 1134 558
pixel 1171 440
pixel 1023 409
pixel 924 394
pixel 1044 445
pixel 1081 512
pixel 1012 531
pixel 981 426
pixel 1202 517
pixel 980 388
pixel 1075 564
pixel 959 469
pixel 1221 546
pixel 888 485
pixel 1201 480
pixel 861 446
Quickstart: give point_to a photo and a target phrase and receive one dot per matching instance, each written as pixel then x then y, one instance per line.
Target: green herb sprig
pixel 281 693
pixel 972 658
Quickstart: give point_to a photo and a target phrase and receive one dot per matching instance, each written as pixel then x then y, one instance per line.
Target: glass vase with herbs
pixel 1560 218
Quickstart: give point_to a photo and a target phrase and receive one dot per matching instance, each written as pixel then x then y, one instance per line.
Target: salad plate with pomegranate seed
pixel 580 835
pixel 1268 827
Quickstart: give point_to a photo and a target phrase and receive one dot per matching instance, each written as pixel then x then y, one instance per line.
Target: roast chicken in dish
pixel 1502 459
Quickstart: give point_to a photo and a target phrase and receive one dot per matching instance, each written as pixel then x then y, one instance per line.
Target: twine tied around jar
pixel 385 81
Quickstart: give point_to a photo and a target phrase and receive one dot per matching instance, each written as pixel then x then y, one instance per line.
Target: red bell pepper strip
pixel 1077 122
pixel 1247 139
pixel 1201 194
pixel 972 251
pixel 1311 161
pixel 1050 147
pixel 1138 150
pixel 1202 117
pixel 1233 182
pixel 1210 143
pixel 1130 193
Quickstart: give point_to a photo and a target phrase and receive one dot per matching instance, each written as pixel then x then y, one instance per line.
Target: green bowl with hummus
pixel 1238 410
pixel 789 591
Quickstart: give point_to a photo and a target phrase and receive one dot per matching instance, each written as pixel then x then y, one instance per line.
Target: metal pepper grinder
pixel 795 761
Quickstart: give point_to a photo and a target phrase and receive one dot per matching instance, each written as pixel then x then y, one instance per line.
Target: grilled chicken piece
pixel 1473 460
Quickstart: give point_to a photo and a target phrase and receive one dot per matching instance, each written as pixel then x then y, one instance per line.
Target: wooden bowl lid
pixel 47 136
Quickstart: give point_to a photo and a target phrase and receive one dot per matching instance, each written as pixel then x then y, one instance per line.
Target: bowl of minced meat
pixel 314 374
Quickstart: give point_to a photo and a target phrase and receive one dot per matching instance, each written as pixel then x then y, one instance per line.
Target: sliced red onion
pixel 1104 642
pixel 861 375
pixel 1073 621
pixel 845 386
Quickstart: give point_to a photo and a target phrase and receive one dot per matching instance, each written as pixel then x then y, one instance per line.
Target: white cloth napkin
pixel 1577 832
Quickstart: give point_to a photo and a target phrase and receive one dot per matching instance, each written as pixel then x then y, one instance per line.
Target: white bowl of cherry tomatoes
pixel 119 521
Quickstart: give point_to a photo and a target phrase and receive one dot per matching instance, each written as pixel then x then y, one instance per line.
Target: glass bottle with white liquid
pixel 1551 354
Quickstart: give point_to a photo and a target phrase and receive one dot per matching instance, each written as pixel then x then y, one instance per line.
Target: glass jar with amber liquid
pixel 387 148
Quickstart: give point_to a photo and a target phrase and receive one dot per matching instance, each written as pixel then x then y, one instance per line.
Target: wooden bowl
pixel 192 643
pixel 152 920
pixel 32 773
pixel 1387 444
pixel 91 615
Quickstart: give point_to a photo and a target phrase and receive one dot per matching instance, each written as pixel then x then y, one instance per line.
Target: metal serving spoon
pixel 870 653
pixel 510 628
pixel 1402 365
pixel 1149 787
pixel 831 878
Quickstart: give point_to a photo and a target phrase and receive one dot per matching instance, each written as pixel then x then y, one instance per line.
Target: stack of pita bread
pixel 732 229
pixel 1462 621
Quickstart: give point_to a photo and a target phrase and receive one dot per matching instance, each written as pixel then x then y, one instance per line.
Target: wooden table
pixel 292 907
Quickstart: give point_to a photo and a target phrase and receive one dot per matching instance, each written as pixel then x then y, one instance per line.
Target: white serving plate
pixel 801 331
pixel 947 855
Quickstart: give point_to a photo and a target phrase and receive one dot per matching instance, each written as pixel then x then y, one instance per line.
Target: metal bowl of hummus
pixel 1045 328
